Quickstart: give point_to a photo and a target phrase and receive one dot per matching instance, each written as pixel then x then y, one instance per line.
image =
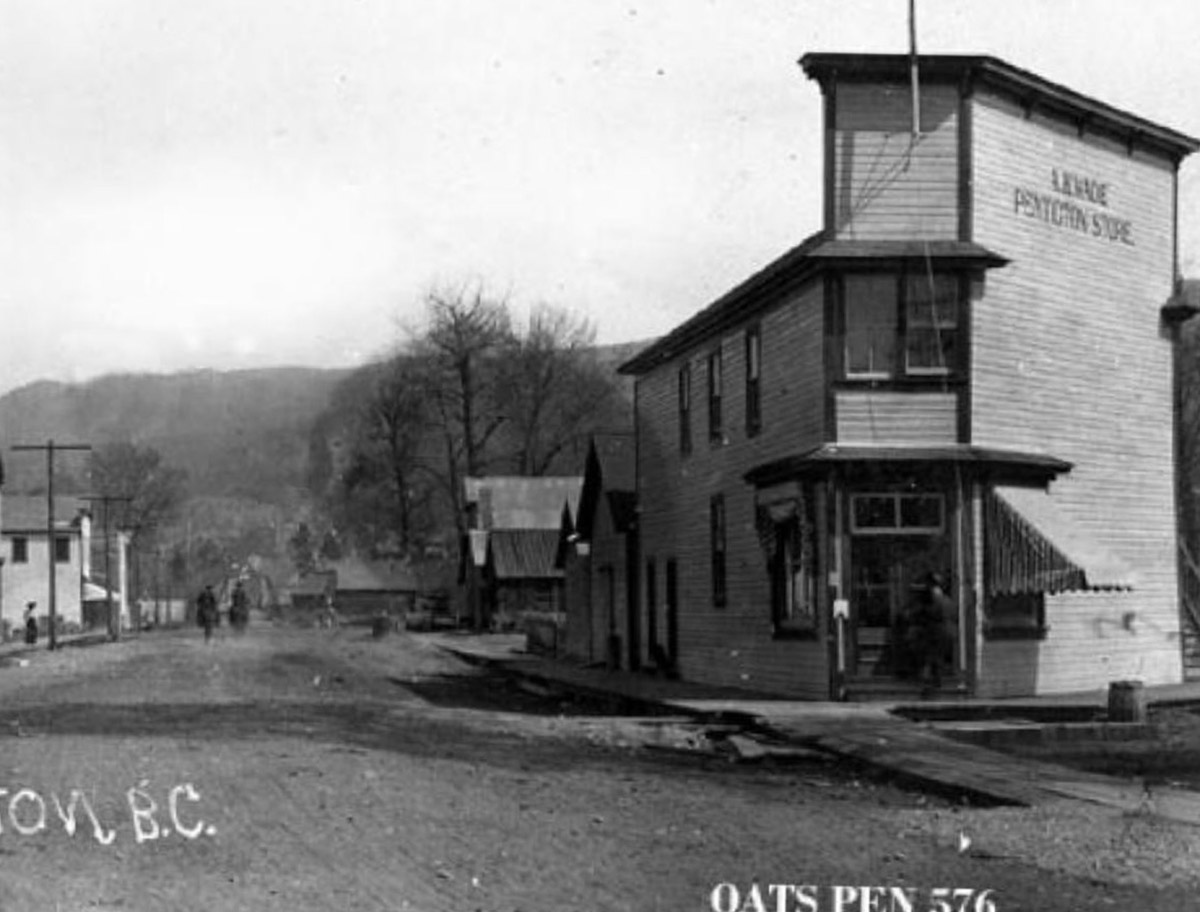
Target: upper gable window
pixel 901 326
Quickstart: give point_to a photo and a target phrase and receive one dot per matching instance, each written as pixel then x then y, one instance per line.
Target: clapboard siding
pixel 888 185
pixel 607 558
pixel 732 645
pixel 897 418
pixel 1069 358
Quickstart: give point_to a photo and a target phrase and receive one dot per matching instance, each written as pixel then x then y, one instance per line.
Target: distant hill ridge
pixel 233 431
pixel 238 433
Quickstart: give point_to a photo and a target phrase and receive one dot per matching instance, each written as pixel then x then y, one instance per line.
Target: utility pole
pixel 114 620
pixel 50 447
pixel 912 62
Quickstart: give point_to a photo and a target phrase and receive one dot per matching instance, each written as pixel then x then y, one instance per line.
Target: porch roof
pixel 1034 546
pixel 992 462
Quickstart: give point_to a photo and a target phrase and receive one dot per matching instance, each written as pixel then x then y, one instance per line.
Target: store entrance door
pixel 885 571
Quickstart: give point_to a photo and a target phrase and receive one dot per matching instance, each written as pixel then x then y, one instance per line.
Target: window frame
pixel 903 330
pixel 937 323
pixel 1011 626
pixel 718 546
pixel 753 358
pixel 795 555
pixel 62 549
pixel 684 405
pixel 716 385
pixel 19 550
pixel 898 526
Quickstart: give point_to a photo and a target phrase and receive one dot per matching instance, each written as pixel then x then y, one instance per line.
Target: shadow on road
pixel 499 693
pixel 414 731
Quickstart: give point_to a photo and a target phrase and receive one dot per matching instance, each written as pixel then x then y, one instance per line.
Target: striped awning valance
pixel 1032 546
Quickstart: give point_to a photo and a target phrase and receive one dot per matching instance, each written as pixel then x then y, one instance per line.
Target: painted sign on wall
pixel 1075 202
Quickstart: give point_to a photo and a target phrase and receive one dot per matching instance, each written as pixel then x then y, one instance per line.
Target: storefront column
pixel 972 635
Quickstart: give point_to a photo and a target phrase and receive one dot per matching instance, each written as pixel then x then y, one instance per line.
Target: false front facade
pixel 967 372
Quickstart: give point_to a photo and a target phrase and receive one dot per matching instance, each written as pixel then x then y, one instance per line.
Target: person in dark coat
pixel 31 628
pixel 928 625
pixel 206 612
pixel 239 608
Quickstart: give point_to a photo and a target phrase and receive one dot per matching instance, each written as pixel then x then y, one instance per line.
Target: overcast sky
pixel 227 183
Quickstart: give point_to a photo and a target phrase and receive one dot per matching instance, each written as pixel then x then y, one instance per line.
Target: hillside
pixel 237 433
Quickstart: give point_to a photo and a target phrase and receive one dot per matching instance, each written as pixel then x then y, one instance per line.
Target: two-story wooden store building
pixel 968 371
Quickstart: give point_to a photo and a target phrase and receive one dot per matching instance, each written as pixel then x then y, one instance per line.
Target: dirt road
pixel 309 770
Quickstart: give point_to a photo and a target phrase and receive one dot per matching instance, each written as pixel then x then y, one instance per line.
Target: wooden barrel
pixel 1126 701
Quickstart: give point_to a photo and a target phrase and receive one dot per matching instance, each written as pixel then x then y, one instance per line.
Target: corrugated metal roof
pixel 22 513
pixel 522 502
pixel 525 553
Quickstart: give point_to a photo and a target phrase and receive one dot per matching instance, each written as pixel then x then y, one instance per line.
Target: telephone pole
pixel 114 621
pixel 50 447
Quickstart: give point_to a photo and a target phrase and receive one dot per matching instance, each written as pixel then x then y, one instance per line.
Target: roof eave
pixel 1027 87
pixel 790 269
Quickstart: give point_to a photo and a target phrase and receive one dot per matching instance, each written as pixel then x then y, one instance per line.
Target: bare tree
pixel 155 491
pixel 147 492
pixel 552 387
pixel 465 336
pixel 395 420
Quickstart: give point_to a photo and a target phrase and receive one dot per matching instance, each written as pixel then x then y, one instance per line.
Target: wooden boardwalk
pixel 868 733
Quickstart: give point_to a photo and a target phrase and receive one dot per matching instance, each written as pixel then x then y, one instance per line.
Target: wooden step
pixel 882 688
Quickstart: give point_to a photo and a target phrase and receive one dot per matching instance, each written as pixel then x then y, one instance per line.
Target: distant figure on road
pixel 206 612
pixel 239 608
pixel 329 616
pixel 31 631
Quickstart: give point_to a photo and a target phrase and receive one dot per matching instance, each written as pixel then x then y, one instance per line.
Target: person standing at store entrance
pixel 928 633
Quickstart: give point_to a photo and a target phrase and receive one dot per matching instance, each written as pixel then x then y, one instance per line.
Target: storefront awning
pixel 1033 546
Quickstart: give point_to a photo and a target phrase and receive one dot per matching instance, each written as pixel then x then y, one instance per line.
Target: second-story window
pixel 901 326
pixel 715 382
pixel 685 409
pixel 753 380
pixel 20 549
pixel 62 549
pixel 872 319
pixel 930 324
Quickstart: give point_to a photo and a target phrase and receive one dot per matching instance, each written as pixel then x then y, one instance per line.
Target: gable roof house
pixel 509 557
pixel 598 555
pixel 967 371
pixel 26 549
